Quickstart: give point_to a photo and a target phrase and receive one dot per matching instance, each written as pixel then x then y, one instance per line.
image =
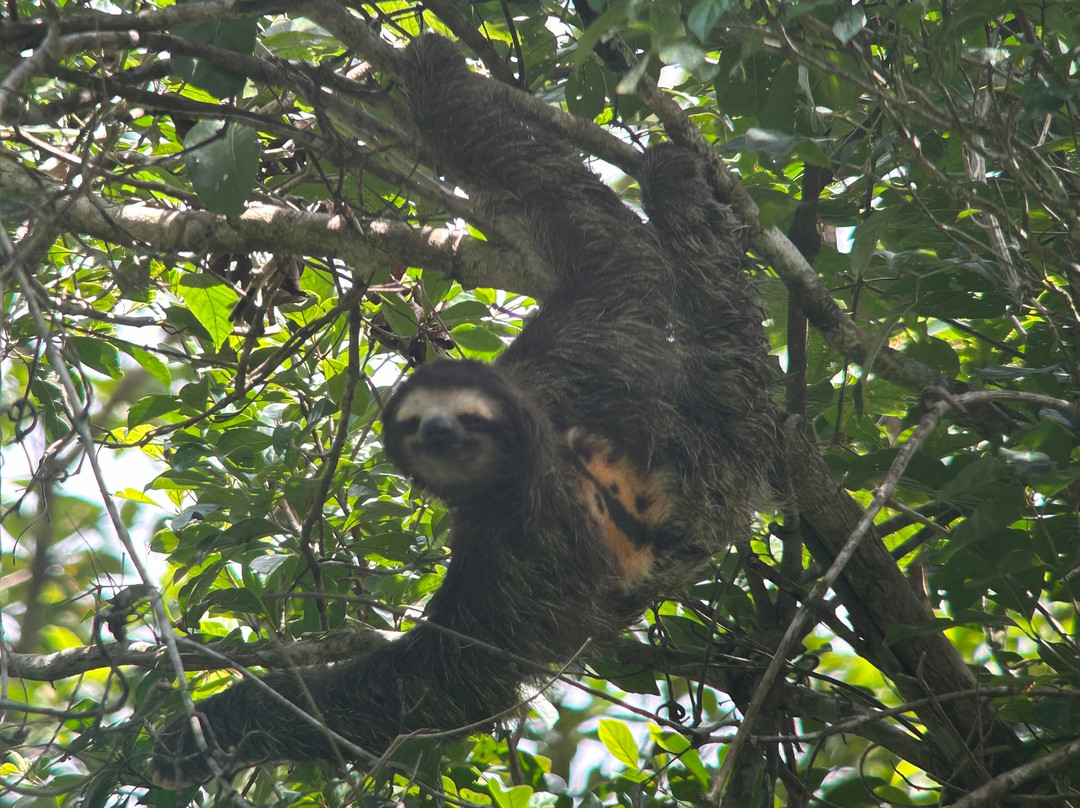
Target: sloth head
pixel 459 429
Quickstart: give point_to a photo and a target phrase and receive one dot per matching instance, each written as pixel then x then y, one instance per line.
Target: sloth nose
pixel 438 432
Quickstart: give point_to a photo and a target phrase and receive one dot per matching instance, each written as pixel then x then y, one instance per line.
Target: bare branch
pixel 272 228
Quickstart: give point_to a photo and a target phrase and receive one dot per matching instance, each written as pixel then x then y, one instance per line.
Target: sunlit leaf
pixel 618 740
pixel 211 302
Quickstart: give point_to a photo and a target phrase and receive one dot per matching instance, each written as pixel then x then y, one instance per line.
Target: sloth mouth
pixel 448 447
pixel 447 454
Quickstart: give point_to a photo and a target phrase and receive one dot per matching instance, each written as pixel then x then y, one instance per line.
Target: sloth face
pixel 454 441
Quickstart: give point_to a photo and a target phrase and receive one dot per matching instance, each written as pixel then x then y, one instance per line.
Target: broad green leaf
pixel 468 311
pixel 704 16
pixel 611 17
pixel 774 207
pixel 689 56
pixel 514 797
pixel 59 637
pixel 399 315
pixel 867 235
pixel 222 160
pixel 618 740
pixel 134 495
pixel 211 301
pixel 631 678
pixel 246 531
pixel 937 353
pixel 881 338
pixel 475 339
pixel 236 35
pixel 149 362
pixel 680 746
pixel 267 564
pixel 586 92
pixel 234 600
pixel 850 23
pixel 152 407
pixel 99 354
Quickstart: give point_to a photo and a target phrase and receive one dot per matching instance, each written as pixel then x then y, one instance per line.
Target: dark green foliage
pixel 949 134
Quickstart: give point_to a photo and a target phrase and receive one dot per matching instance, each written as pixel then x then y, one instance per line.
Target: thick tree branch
pixel 279 229
pixel 22 35
pixel 878 597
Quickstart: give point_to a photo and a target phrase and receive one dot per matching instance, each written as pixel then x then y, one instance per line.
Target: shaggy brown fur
pixel 625 436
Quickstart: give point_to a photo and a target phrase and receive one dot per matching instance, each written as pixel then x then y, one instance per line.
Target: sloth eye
pixel 473 422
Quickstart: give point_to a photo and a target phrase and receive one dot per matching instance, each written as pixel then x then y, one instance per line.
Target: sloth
pixel 625 436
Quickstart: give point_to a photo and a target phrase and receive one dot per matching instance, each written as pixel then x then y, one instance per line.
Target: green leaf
pixel 632 678
pixel 973 483
pixel 267 564
pixel 704 17
pixel 618 740
pixel 149 362
pixel 922 473
pixel 476 339
pixel 680 747
pixel 777 145
pixel 773 206
pixel 1027 464
pixel 629 82
pixel 245 532
pixel 151 407
pixel 687 55
pixel 936 353
pixel 686 634
pixel 234 600
pixel 211 301
pixel 222 160
pixel 237 35
pixel 436 287
pixel 867 235
pixel 586 91
pixel 399 314
pixel 1059 715
pixel 196 394
pixel 251 437
pixel 850 23
pixel 468 311
pixel 515 797
pixel 99 354
pixel 881 338
pixel 742 85
pixel 134 495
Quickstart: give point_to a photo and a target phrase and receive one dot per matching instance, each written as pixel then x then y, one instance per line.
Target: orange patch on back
pixel 624 504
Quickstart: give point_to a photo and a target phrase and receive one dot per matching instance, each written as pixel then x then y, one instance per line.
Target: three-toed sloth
pixel 625 436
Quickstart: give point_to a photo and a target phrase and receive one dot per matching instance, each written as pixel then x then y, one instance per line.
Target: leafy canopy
pixel 222 246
